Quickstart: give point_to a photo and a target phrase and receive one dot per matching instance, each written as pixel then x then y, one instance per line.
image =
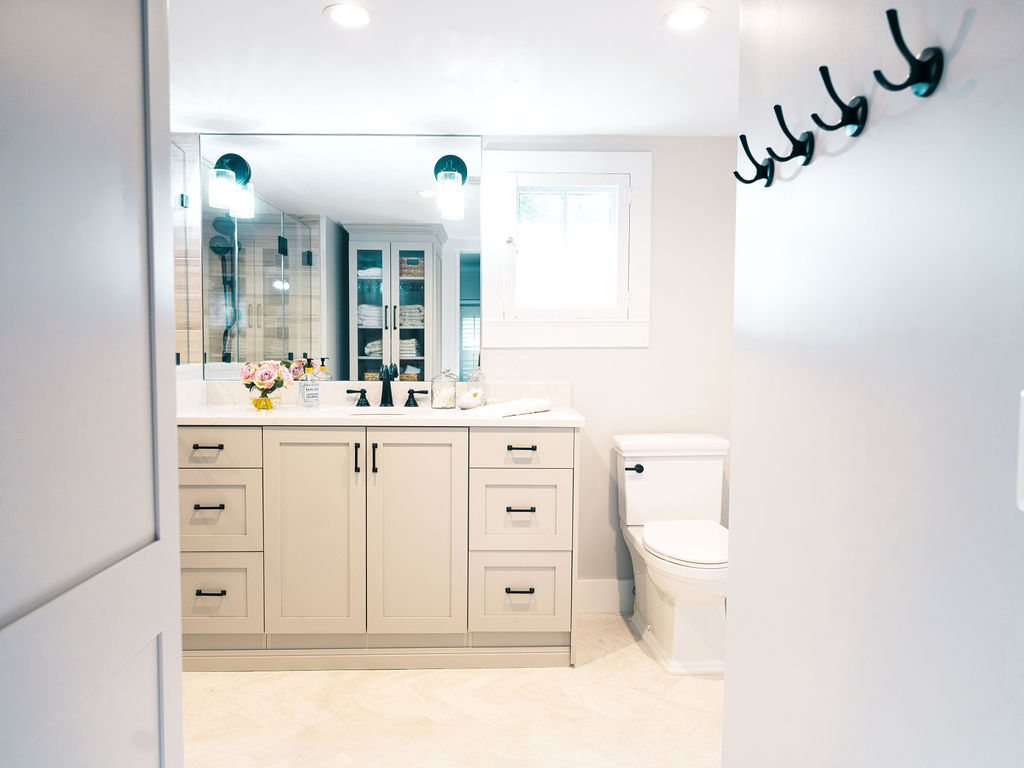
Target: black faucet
pixel 387 375
pixel 411 402
pixel 362 402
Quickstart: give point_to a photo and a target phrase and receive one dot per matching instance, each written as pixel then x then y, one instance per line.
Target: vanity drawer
pixel 520 591
pixel 511 509
pixel 207 447
pixel 239 575
pixel 498 447
pixel 220 510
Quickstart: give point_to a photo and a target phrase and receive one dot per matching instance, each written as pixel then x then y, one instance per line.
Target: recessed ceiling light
pixel 688 17
pixel 428 193
pixel 348 15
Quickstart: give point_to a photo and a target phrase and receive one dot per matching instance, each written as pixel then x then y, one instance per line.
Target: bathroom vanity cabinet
pixel 431 543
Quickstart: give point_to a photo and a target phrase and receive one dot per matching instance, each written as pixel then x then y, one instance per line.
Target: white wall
pixel 876 595
pixel 681 382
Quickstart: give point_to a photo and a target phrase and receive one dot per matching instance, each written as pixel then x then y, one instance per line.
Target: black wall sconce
pixel 765 168
pixel 925 70
pixel 853 115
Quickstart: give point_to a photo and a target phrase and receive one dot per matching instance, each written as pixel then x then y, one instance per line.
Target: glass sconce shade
pixel 222 188
pixel 451 200
pixel 243 206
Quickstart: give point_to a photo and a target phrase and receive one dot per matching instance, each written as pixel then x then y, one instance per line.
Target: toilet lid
pixel 688 542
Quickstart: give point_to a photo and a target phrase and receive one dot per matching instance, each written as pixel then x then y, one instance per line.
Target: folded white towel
pixel 514 407
pixel 370 272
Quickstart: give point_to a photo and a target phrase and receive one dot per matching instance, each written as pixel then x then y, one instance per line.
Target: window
pixel 566 237
pixel 571 246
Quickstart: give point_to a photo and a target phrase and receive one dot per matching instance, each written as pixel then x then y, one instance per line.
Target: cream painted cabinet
pixel 315 529
pixel 417 530
pixel 366 547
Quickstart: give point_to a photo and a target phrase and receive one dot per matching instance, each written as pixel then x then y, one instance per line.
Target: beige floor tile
pixel 617 707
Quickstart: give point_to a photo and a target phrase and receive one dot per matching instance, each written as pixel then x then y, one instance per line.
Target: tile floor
pixel 617 707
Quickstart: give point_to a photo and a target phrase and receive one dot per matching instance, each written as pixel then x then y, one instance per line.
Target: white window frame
pixel 505 326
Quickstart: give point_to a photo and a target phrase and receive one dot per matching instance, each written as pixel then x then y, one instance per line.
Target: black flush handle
pixel 197 507
pixel 198 447
pixel 510 591
pixel 638 468
pixel 522 447
pixel 222 593
pixel 520 509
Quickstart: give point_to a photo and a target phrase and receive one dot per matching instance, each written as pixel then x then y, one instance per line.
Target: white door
pixel 417 518
pixel 90 647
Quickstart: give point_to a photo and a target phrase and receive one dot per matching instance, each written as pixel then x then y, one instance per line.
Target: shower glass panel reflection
pixel 259 285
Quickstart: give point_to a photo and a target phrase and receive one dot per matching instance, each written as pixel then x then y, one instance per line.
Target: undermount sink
pixel 376 410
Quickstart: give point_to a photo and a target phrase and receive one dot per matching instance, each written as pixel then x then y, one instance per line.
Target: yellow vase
pixel 263 403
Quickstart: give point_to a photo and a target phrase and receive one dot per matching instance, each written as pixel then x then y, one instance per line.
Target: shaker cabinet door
pixel 417 517
pixel 315 529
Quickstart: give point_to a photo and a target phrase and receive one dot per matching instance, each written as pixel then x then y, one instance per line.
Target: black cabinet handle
pixel 199 506
pixel 374 457
pixel 639 469
pixel 357 457
pixel 385 317
pixel 394 316
pixel 198 447
pixel 522 447
pixel 520 509
pixel 222 593
pixel 510 591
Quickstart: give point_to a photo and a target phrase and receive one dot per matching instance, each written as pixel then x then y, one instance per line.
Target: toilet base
pixel 644 633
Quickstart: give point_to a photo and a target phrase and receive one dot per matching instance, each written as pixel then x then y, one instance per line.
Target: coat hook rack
pixel 853 116
pixel 765 168
pixel 801 147
pixel 925 70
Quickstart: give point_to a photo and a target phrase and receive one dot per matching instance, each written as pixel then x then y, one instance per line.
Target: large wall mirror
pixel 340 247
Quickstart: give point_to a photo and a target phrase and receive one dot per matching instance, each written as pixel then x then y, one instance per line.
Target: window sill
pixel 512 334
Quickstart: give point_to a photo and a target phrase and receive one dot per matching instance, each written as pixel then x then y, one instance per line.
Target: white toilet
pixel 670 507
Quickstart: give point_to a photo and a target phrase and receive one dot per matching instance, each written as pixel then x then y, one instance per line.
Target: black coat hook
pixel 802 147
pixel 765 168
pixel 925 70
pixel 853 116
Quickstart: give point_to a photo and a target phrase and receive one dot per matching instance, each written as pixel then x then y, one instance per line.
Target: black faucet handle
pixel 362 402
pixel 411 402
pixel 393 372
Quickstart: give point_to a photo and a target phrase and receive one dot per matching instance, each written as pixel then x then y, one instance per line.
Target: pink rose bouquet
pixel 267 376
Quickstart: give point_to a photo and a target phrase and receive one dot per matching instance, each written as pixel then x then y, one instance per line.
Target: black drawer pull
pixel 521 509
pixel 357 457
pixel 198 447
pixel 197 507
pixel 510 591
pixel 639 469
pixel 374 457
pixel 222 593
pixel 522 447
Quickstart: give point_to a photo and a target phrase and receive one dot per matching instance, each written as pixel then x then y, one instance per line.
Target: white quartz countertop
pixel 287 415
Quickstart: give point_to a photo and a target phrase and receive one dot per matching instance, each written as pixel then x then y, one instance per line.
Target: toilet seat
pixel 691 543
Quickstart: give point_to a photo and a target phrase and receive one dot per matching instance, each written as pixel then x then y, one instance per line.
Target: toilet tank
pixel 681 478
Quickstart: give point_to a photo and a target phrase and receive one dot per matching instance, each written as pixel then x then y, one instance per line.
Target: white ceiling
pixel 355 179
pixel 507 67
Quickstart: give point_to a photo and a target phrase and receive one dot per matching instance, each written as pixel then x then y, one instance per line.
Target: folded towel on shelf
pixel 411 315
pixel 369 314
pixel 370 272
pixel 514 407
pixel 374 349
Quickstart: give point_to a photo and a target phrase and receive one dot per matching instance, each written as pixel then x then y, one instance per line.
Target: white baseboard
pixel 603 596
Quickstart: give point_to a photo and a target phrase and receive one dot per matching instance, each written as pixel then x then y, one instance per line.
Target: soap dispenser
pixel 309 387
pixel 323 375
